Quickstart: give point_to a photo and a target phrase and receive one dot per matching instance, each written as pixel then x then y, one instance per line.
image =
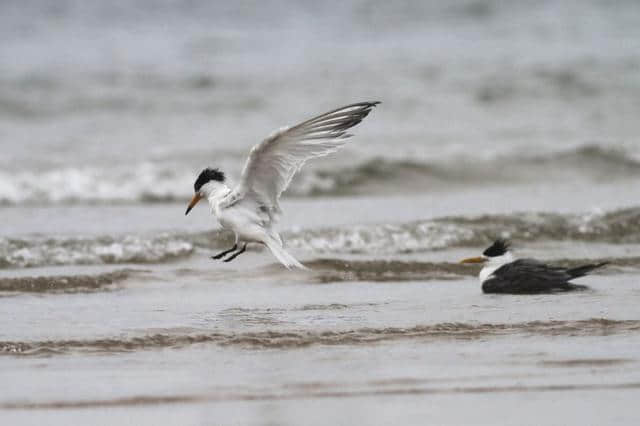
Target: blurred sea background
pixel 125 101
pixel 510 119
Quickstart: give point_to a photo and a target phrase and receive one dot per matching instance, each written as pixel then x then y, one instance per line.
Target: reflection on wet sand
pixel 65 283
pixel 337 392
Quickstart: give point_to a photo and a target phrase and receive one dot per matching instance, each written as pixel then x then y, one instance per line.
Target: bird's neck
pixel 493 264
pixel 215 191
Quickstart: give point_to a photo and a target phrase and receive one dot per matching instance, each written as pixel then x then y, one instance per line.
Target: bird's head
pixel 497 253
pixel 206 183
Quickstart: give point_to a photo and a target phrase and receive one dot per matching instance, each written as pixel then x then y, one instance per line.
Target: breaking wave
pixel 147 183
pixel 380 175
pixel 138 183
pixel 41 251
pixel 273 339
pixel 616 227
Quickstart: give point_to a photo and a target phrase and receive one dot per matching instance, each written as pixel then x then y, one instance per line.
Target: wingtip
pixel 369 104
pixel 363 105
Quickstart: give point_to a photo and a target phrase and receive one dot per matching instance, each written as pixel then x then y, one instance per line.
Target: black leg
pixel 224 253
pixel 236 254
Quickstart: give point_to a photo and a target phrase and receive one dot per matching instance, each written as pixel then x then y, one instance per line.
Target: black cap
pixel 498 248
pixel 208 175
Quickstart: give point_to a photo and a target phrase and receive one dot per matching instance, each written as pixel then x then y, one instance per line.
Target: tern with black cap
pixel 252 208
pixel 502 274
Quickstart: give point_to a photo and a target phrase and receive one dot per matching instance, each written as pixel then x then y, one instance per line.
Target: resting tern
pixel 502 274
pixel 252 208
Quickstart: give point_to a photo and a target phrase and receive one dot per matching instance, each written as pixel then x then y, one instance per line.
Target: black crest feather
pixel 498 248
pixel 208 175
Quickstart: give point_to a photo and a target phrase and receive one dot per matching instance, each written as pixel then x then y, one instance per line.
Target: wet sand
pixel 409 337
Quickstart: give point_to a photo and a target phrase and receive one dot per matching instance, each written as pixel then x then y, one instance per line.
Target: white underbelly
pixel 242 222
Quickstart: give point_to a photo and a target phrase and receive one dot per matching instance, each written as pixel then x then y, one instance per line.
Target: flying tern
pixel 502 274
pixel 252 208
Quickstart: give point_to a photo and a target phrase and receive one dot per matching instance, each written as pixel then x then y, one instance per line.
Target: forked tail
pixel 282 255
pixel 583 270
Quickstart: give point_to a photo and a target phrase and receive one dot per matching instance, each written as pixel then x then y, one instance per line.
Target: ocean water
pixel 498 119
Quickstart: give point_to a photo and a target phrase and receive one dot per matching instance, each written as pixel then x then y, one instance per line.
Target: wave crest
pixel 616 227
pixel 41 251
pixel 147 182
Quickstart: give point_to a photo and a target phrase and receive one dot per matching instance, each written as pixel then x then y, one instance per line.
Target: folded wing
pixel 273 162
pixel 526 276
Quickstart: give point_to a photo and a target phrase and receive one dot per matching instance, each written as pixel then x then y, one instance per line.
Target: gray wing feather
pixel 273 162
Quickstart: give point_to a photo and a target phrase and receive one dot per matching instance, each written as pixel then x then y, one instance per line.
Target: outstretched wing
pixel 273 162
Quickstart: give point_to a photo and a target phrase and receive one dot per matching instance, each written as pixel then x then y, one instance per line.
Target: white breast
pixel 493 264
pixel 487 271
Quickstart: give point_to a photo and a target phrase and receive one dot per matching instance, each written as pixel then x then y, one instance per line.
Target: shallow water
pixel 364 329
pixel 498 120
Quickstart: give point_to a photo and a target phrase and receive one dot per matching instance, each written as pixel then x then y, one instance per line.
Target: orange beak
pixel 193 202
pixel 479 259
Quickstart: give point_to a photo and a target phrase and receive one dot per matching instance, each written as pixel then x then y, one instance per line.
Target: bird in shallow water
pixel 502 274
pixel 252 208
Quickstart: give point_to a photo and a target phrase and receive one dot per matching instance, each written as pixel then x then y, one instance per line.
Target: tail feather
pixel 583 270
pixel 282 255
